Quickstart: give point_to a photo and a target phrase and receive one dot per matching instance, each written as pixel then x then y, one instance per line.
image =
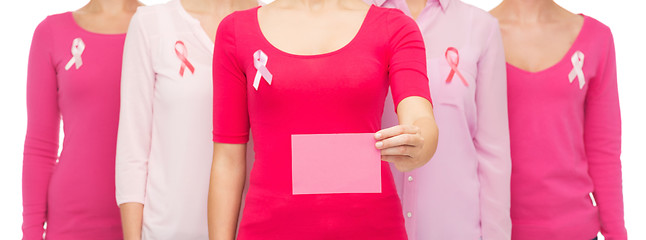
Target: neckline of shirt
pixel 565 57
pixel 75 24
pixel 195 24
pixel 346 46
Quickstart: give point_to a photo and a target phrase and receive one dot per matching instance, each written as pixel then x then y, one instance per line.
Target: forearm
pixel 225 192
pixel 131 220
pixel 418 112
pixel 429 131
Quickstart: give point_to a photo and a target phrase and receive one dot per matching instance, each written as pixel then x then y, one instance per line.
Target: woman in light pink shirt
pixel 463 192
pixel 565 126
pixel 164 146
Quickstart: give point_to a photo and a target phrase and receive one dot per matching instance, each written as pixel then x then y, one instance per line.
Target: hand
pixel 401 145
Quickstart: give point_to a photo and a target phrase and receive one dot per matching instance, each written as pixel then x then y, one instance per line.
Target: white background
pixel 19 18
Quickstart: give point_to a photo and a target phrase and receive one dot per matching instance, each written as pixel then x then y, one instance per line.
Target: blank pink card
pixel 335 163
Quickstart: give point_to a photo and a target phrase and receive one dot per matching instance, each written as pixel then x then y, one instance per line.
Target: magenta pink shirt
pixel 462 193
pixel 342 91
pixel 565 143
pixel 74 195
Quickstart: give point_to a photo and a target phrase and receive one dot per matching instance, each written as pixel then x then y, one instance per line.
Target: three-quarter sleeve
pixel 230 113
pixel 491 139
pixel 135 117
pixel 41 141
pixel 407 58
pixel 602 140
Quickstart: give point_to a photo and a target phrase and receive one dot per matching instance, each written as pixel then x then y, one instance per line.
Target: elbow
pixel 430 141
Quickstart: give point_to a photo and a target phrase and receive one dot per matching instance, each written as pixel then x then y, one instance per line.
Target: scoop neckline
pixel 563 58
pixel 341 49
pixel 77 26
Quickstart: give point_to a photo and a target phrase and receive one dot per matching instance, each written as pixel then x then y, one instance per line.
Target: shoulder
pixel 596 38
pixel 480 16
pixel 155 19
pixel 234 20
pixel 390 13
pixel 58 18
pixel 62 20
pixel 241 16
pixel 146 15
pixel 394 19
pixel 54 24
pixel 596 28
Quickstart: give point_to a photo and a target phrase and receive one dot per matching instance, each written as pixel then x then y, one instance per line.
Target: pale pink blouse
pixel 463 192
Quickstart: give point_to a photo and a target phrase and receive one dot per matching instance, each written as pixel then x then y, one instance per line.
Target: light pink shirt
pixel 164 147
pixel 463 192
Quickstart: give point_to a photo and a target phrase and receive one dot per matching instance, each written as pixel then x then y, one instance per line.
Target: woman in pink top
pixel 463 192
pixel 314 67
pixel 164 145
pixel 564 121
pixel 74 73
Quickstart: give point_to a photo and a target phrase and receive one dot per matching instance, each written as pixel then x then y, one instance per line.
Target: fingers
pixel 396 130
pixel 395 159
pixel 400 145
pixel 400 140
pixel 406 151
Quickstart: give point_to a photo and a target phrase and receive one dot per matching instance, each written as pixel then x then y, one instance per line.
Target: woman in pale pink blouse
pixel 463 192
pixel 565 126
pixel 164 147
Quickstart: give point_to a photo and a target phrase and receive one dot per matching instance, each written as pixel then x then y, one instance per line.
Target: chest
pixel 562 86
pixel 538 47
pixel 182 66
pixel 88 67
pixel 340 79
pixel 453 74
pixel 209 24
pixel 310 34
pixel 104 23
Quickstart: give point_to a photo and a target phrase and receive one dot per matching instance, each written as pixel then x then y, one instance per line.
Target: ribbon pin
pixel 260 62
pixel 181 54
pixel 77 49
pixel 577 69
pixel 453 63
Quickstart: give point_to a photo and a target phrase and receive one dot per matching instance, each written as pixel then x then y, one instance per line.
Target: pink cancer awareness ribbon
pixel 453 63
pixel 182 54
pixel 577 69
pixel 260 63
pixel 78 46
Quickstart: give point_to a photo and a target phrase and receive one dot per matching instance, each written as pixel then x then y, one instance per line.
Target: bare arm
pixel 412 143
pixel 131 219
pixel 225 189
pixel 135 128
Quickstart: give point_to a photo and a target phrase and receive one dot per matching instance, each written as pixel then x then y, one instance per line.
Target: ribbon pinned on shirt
pixel 182 55
pixel 453 63
pixel 577 69
pixel 260 62
pixel 78 46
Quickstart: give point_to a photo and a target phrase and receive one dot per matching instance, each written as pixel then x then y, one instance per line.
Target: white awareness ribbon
pixel 77 49
pixel 577 70
pixel 260 62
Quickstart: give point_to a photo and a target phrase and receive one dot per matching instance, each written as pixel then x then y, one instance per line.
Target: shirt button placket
pixel 409 203
pixel 410 194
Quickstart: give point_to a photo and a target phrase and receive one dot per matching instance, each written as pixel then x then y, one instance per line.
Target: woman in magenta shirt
pixel 314 67
pixel 564 121
pixel 74 73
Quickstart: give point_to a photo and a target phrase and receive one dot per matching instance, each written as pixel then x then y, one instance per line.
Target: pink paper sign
pixel 335 163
